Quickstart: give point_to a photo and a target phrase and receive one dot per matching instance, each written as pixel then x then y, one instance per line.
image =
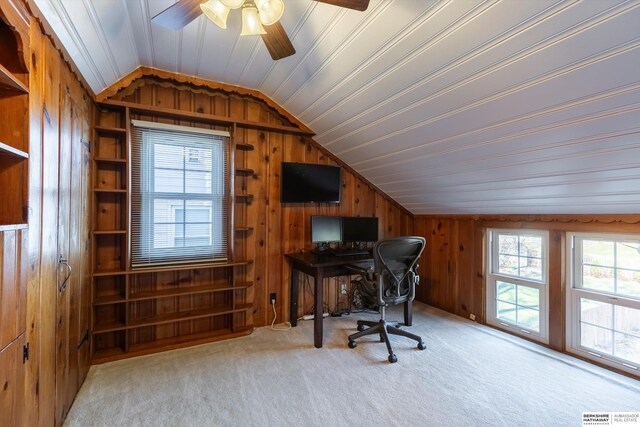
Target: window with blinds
pixel 179 194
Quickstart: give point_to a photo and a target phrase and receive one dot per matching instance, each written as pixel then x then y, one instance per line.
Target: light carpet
pixel 469 375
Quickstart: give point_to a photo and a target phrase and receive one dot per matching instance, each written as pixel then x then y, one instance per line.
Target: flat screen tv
pixel 359 229
pixel 309 183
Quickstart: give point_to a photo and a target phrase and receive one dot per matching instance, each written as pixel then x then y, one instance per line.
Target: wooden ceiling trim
pixel 206 118
pixel 141 72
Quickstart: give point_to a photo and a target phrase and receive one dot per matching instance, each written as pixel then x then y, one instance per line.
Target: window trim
pixel 542 285
pixel 575 293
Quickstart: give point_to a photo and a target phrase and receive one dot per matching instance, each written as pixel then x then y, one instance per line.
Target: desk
pixel 319 267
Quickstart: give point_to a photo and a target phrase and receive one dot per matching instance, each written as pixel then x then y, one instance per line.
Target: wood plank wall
pixel 277 228
pixel 58 105
pixel 453 265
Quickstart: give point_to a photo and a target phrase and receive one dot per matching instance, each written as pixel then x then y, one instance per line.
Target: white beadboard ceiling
pixel 452 106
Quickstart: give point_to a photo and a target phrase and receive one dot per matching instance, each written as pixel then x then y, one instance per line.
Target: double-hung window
pixel 179 194
pixel 517 282
pixel 603 301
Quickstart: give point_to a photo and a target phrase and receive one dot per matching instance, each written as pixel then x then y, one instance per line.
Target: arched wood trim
pixel 141 72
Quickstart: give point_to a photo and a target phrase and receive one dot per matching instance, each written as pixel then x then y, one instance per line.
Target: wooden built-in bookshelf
pixel 141 310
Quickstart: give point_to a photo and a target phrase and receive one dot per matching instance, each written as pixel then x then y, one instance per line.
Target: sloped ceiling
pixel 458 106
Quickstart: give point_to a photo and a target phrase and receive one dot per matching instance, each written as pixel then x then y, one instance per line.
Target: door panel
pixel 72 351
pixel 65 278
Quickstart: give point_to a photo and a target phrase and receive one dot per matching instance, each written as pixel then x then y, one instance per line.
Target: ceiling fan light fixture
pixel 251 25
pixel 232 4
pixel 270 11
pixel 216 11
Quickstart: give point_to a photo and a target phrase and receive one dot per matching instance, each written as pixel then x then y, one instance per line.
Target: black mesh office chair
pixel 395 278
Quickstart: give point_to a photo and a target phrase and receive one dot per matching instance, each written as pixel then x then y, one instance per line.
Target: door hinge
pixel 25 353
pixel 85 338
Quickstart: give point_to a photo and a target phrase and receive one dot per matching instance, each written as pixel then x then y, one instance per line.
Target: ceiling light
pixel 232 4
pixel 216 11
pixel 270 11
pixel 251 24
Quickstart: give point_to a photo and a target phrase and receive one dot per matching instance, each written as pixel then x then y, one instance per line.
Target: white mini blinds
pixel 179 206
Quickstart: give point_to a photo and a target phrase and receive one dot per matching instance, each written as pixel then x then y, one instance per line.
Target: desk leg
pixel 408 313
pixel 293 306
pixel 317 310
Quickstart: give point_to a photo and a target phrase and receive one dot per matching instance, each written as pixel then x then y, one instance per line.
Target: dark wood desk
pixel 319 267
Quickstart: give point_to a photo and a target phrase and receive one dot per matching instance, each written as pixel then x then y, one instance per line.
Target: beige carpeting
pixel 469 375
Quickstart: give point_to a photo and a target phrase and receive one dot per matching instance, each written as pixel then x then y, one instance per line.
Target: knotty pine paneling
pixel 13 280
pixel 276 228
pixel 51 81
pixel 452 267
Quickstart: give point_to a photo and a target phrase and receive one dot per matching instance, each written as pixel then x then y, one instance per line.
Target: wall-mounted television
pixel 309 183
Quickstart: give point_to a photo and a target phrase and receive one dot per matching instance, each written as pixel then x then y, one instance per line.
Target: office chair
pixel 395 278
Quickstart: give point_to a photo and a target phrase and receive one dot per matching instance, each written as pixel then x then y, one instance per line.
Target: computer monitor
pixel 326 229
pixel 359 229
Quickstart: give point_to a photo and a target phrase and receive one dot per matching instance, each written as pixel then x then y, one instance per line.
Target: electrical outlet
pixel 343 288
pixel 272 297
pixel 472 317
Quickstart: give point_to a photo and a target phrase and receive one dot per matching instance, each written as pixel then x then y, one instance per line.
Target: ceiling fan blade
pixel 177 16
pixel 277 41
pixel 360 5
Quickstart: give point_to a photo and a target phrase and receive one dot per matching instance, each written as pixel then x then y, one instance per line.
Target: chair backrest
pixel 395 263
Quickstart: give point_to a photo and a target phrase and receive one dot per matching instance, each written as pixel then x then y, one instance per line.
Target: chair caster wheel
pixel 421 346
pixel 360 328
pixel 352 344
pixel 392 358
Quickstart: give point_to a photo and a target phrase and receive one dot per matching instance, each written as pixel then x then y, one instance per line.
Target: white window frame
pixel 575 291
pixel 217 250
pixel 493 276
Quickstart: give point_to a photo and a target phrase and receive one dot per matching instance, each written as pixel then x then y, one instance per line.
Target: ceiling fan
pixel 258 16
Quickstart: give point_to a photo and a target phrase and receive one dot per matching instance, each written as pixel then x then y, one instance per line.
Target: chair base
pixel 366 327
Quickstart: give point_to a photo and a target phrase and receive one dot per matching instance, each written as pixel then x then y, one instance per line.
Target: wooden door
pixel 72 353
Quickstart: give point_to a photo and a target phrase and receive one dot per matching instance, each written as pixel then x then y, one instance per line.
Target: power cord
pixel 286 326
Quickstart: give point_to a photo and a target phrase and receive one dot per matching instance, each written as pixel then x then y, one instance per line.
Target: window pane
pixel 529 297
pixel 598 252
pixel 164 235
pixel 596 312
pixel 508 264
pixel 529 318
pixel 508 244
pixel 168 181
pixel 506 292
pixel 198 212
pixel 198 159
pixel 506 311
pixel 596 338
pixel 627 347
pixel 531 246
pixel 197 230
pixel 168 156
pixel 628 283
pixel 198 182
pixel 531 268
pixel 628 255
pixel 627 320
pixel 598 278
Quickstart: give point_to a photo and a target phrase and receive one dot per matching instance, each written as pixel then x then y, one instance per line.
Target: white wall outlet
pixel 343 288
pixel 472 317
